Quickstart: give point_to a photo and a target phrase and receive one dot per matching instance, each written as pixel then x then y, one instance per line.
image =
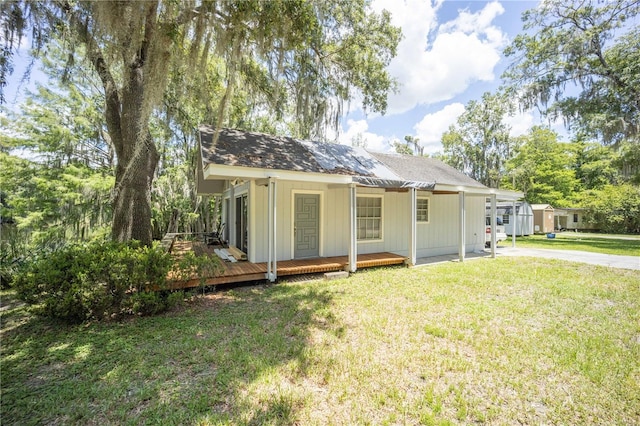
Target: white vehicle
pixel 501 235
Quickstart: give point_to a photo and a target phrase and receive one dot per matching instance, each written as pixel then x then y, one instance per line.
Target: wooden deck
pixel 244 271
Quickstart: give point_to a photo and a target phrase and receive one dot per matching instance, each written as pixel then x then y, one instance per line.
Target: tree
pixel 542 169
pixel 579 59
pixel 402 148
pixel 596 165
pixel 479 143
pixel 615 209
pixel 315 54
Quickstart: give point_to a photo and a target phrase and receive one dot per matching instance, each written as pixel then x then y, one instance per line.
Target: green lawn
pixel 627 245
pixel 502 341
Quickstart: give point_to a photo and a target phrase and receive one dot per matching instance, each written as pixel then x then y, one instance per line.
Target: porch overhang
pixel 477 191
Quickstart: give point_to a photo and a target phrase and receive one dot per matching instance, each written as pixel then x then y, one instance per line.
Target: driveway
pixel 614 261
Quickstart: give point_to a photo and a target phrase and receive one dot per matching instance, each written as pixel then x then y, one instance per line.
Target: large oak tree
pixel 302 59
pixel 579 60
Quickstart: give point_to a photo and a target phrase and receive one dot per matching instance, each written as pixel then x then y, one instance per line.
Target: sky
pixel 450 54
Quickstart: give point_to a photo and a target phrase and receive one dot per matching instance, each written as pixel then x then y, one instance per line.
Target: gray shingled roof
pixel 257 150
pixel 425 169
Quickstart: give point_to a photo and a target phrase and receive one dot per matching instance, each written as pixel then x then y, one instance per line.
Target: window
pixel 575 217
pixel 505 219
pixel 369 218
pixel 422 210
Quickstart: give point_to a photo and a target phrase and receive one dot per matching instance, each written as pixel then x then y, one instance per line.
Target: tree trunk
pixel 132 201
pixel 137 160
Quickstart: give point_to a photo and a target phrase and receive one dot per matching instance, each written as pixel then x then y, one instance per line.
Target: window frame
pixel 506 219
pixel 381 219
pixel 576 218
pixel 428 200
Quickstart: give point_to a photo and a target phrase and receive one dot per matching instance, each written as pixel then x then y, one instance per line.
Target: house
pixel 543 221
pixel 286 199
pixel 573 219
pixel 523 218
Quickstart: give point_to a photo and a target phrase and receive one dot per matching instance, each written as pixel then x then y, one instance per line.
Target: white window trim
pixel 377 240
pixel 422 222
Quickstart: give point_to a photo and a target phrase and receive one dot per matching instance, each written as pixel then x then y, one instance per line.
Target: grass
pixel 627 245
pixel 501 341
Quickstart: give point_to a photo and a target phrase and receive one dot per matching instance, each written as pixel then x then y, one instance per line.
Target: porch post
pixel 412 226
pixel 274 239
pixel 231 221
pixel 272 255
pixel 515 224
pixel 461 231
pixel 494 225
pixel 353 241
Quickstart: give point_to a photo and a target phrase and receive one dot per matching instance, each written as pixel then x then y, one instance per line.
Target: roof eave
pixel 223 171
pixel 501 194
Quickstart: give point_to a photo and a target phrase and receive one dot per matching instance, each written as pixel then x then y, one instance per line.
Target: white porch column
pixel 462 230
pixel 494 225
pixel 413 201
pixel 231 221
pixel 353 240
pixel 272 254
pixel 515 224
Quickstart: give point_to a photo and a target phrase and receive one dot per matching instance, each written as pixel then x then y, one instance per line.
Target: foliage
pixel 297 60
pixel 628 162
pixel 479 143
pixel 579 60
pixel 596 165
pixel 541 168
pixel 94 280
pixel 614 208
pixel 201 266
pixel 410 146
pixel 402 148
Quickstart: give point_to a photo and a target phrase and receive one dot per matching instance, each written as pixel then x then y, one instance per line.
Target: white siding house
pixel 288 199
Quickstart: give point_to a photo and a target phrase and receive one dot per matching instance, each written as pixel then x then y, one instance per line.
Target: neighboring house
pixel 573 219
pixel 523 218
pixel 542 218
pixel 286 199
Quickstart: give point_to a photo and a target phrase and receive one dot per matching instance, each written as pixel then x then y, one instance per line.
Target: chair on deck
pixel 216 237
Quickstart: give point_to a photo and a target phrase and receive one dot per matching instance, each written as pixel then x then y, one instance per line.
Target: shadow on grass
pixel 209 363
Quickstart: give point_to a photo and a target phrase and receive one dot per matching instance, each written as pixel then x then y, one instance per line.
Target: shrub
pixel 202 267
pixel 175 299
pixel 94 280
pixel 146 303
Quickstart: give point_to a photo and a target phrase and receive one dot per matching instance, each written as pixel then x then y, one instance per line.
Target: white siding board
pixel 439 236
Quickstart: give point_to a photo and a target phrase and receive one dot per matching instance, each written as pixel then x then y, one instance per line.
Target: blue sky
pixel 451 53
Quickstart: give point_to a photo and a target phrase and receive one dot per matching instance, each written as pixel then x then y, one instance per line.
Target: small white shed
pixel 524 217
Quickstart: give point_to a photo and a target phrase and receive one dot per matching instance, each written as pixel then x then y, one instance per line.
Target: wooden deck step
pixel 247 271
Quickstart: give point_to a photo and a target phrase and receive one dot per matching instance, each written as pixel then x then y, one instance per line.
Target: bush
pixel 146 303
pixel 95 280
pixel 204 266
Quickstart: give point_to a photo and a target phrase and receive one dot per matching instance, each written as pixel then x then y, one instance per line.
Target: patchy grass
pixel 501 341
pixel 627 245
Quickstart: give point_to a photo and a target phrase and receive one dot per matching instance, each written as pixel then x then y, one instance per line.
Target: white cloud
pixel 430 129
pixel 358 129
pixel 463 51
pixel 520 123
